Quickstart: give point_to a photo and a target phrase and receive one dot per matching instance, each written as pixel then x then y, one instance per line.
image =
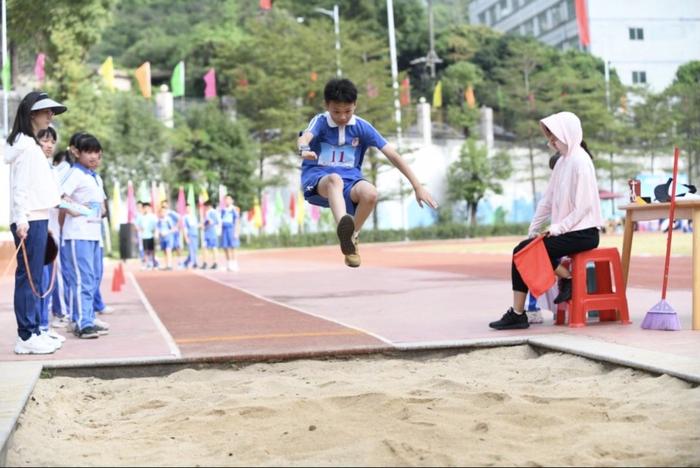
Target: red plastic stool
pixel 612 305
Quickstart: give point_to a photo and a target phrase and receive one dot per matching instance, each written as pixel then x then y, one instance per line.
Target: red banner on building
pixel 584 35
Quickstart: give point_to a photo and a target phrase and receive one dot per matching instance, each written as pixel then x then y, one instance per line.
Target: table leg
pixel 627 247
pixel 696 269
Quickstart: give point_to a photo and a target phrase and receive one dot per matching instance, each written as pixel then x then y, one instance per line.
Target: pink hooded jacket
pixel 571 199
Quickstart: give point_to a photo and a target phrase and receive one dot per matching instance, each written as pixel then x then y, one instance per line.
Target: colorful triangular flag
pixel 143 76
pixel 177 80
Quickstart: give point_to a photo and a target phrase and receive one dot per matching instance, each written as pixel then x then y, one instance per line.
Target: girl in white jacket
pixel 33 191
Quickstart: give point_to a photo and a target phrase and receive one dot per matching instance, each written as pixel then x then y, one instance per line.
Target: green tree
pixel 455 81
pixel 474 174
pixel 685 97
pixel 212 149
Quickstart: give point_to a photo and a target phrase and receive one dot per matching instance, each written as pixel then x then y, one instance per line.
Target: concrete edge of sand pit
pixel 16 387
pixel 684 368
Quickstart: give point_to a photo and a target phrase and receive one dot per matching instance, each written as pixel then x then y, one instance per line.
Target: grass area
pixel 644 243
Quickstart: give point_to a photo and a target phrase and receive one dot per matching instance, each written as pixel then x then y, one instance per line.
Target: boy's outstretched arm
pixel 422 195
pixel 303 144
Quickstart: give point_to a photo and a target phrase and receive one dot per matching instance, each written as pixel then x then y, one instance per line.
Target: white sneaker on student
pixel 55 335
pixel 59 321
pixel 534 316
pixel 56 343
pixel 234 265
pixel 101 324
pixel 34 345
pixel 106 311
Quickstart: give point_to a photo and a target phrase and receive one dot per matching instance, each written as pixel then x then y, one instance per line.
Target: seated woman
pixel 571 201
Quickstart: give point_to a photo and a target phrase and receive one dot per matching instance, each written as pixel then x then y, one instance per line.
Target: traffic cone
pixel 116 282
pixel 122 278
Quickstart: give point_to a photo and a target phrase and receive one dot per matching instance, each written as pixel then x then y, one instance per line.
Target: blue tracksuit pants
pixel 27 304
pixel 78 261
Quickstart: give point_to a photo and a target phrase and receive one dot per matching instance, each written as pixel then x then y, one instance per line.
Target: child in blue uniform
pixel 165 230
pixel 80 243
pixel 230 232
pixel 211 230
pixel 333 147
pixel 191 231
pixel 146 225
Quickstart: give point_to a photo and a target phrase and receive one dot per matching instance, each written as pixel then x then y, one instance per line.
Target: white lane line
pixel 288 306
pixel 174 350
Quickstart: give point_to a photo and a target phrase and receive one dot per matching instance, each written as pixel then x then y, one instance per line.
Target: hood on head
pixel 22 143
pixel 566 126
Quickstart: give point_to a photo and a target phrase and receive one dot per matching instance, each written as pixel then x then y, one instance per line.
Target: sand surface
pixel 500 406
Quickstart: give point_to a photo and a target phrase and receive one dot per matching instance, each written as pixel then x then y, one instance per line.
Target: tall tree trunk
pixel 472 214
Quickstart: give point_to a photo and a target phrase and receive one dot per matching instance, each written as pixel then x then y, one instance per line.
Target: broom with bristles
pixel 662 316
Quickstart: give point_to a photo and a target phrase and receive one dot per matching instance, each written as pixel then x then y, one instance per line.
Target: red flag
pixel 405 98
pixel 265 4
pixel 181 206
pixel 292 206
pixel 584 36
pixel 39 68
pixel 210 84
pixel 469 97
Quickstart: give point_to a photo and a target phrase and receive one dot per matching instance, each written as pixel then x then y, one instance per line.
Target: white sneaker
pixel 59 322
pixel 55 342
pixel 34 345
pixel 534 316
pixel 101 324
pixel 106 311
pixel 234 265
pixel 55 335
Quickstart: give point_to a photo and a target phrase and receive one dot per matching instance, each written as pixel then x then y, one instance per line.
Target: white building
pixel 644 40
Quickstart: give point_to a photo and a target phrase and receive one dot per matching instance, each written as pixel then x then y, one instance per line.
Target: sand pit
pixel 500 406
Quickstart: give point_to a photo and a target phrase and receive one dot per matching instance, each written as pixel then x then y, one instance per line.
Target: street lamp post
pixel 336 23
pixel 397 103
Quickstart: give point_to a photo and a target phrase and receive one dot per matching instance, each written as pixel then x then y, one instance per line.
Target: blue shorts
pixel 166 242
pixel 312 175
pixel 228 238
pixel 210 241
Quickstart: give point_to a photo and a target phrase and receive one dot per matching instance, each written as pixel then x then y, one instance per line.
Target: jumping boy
pixel 333 147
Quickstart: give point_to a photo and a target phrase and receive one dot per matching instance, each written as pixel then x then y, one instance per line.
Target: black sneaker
pixel 564 291
pixel 346 228
pixel 203 266
pixel 511 321
pixel 214 266
pixel 86 333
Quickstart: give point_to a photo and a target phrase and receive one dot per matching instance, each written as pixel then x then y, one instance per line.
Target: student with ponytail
pixel 33 191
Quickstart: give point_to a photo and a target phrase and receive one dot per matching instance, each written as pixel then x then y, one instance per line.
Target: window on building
pixel 482 18
pixel 636 34
pixel 543 20
pixel 570 10
pixel 529 27
pixel 555 15
pixel 639 77
pixel 494 14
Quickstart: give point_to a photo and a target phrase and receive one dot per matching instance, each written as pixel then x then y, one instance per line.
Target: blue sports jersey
pixel 174 217
pixel 229 216
pixel 211 222
pixel 341 149
pixel 164 226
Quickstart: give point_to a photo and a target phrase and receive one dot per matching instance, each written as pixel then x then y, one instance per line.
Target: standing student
pixel 98 304
pixel 33 191
pixel 191 232
pixel 80 247
pixel 212 221
pixel 47 140
pixel 175 220
pixel 333 147
pixel 146 225
pixel 570 202
pixel 230 232
pixel 165 230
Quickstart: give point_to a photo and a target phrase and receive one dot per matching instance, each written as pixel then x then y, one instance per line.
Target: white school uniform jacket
pixel 84 186
pixel 33 188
